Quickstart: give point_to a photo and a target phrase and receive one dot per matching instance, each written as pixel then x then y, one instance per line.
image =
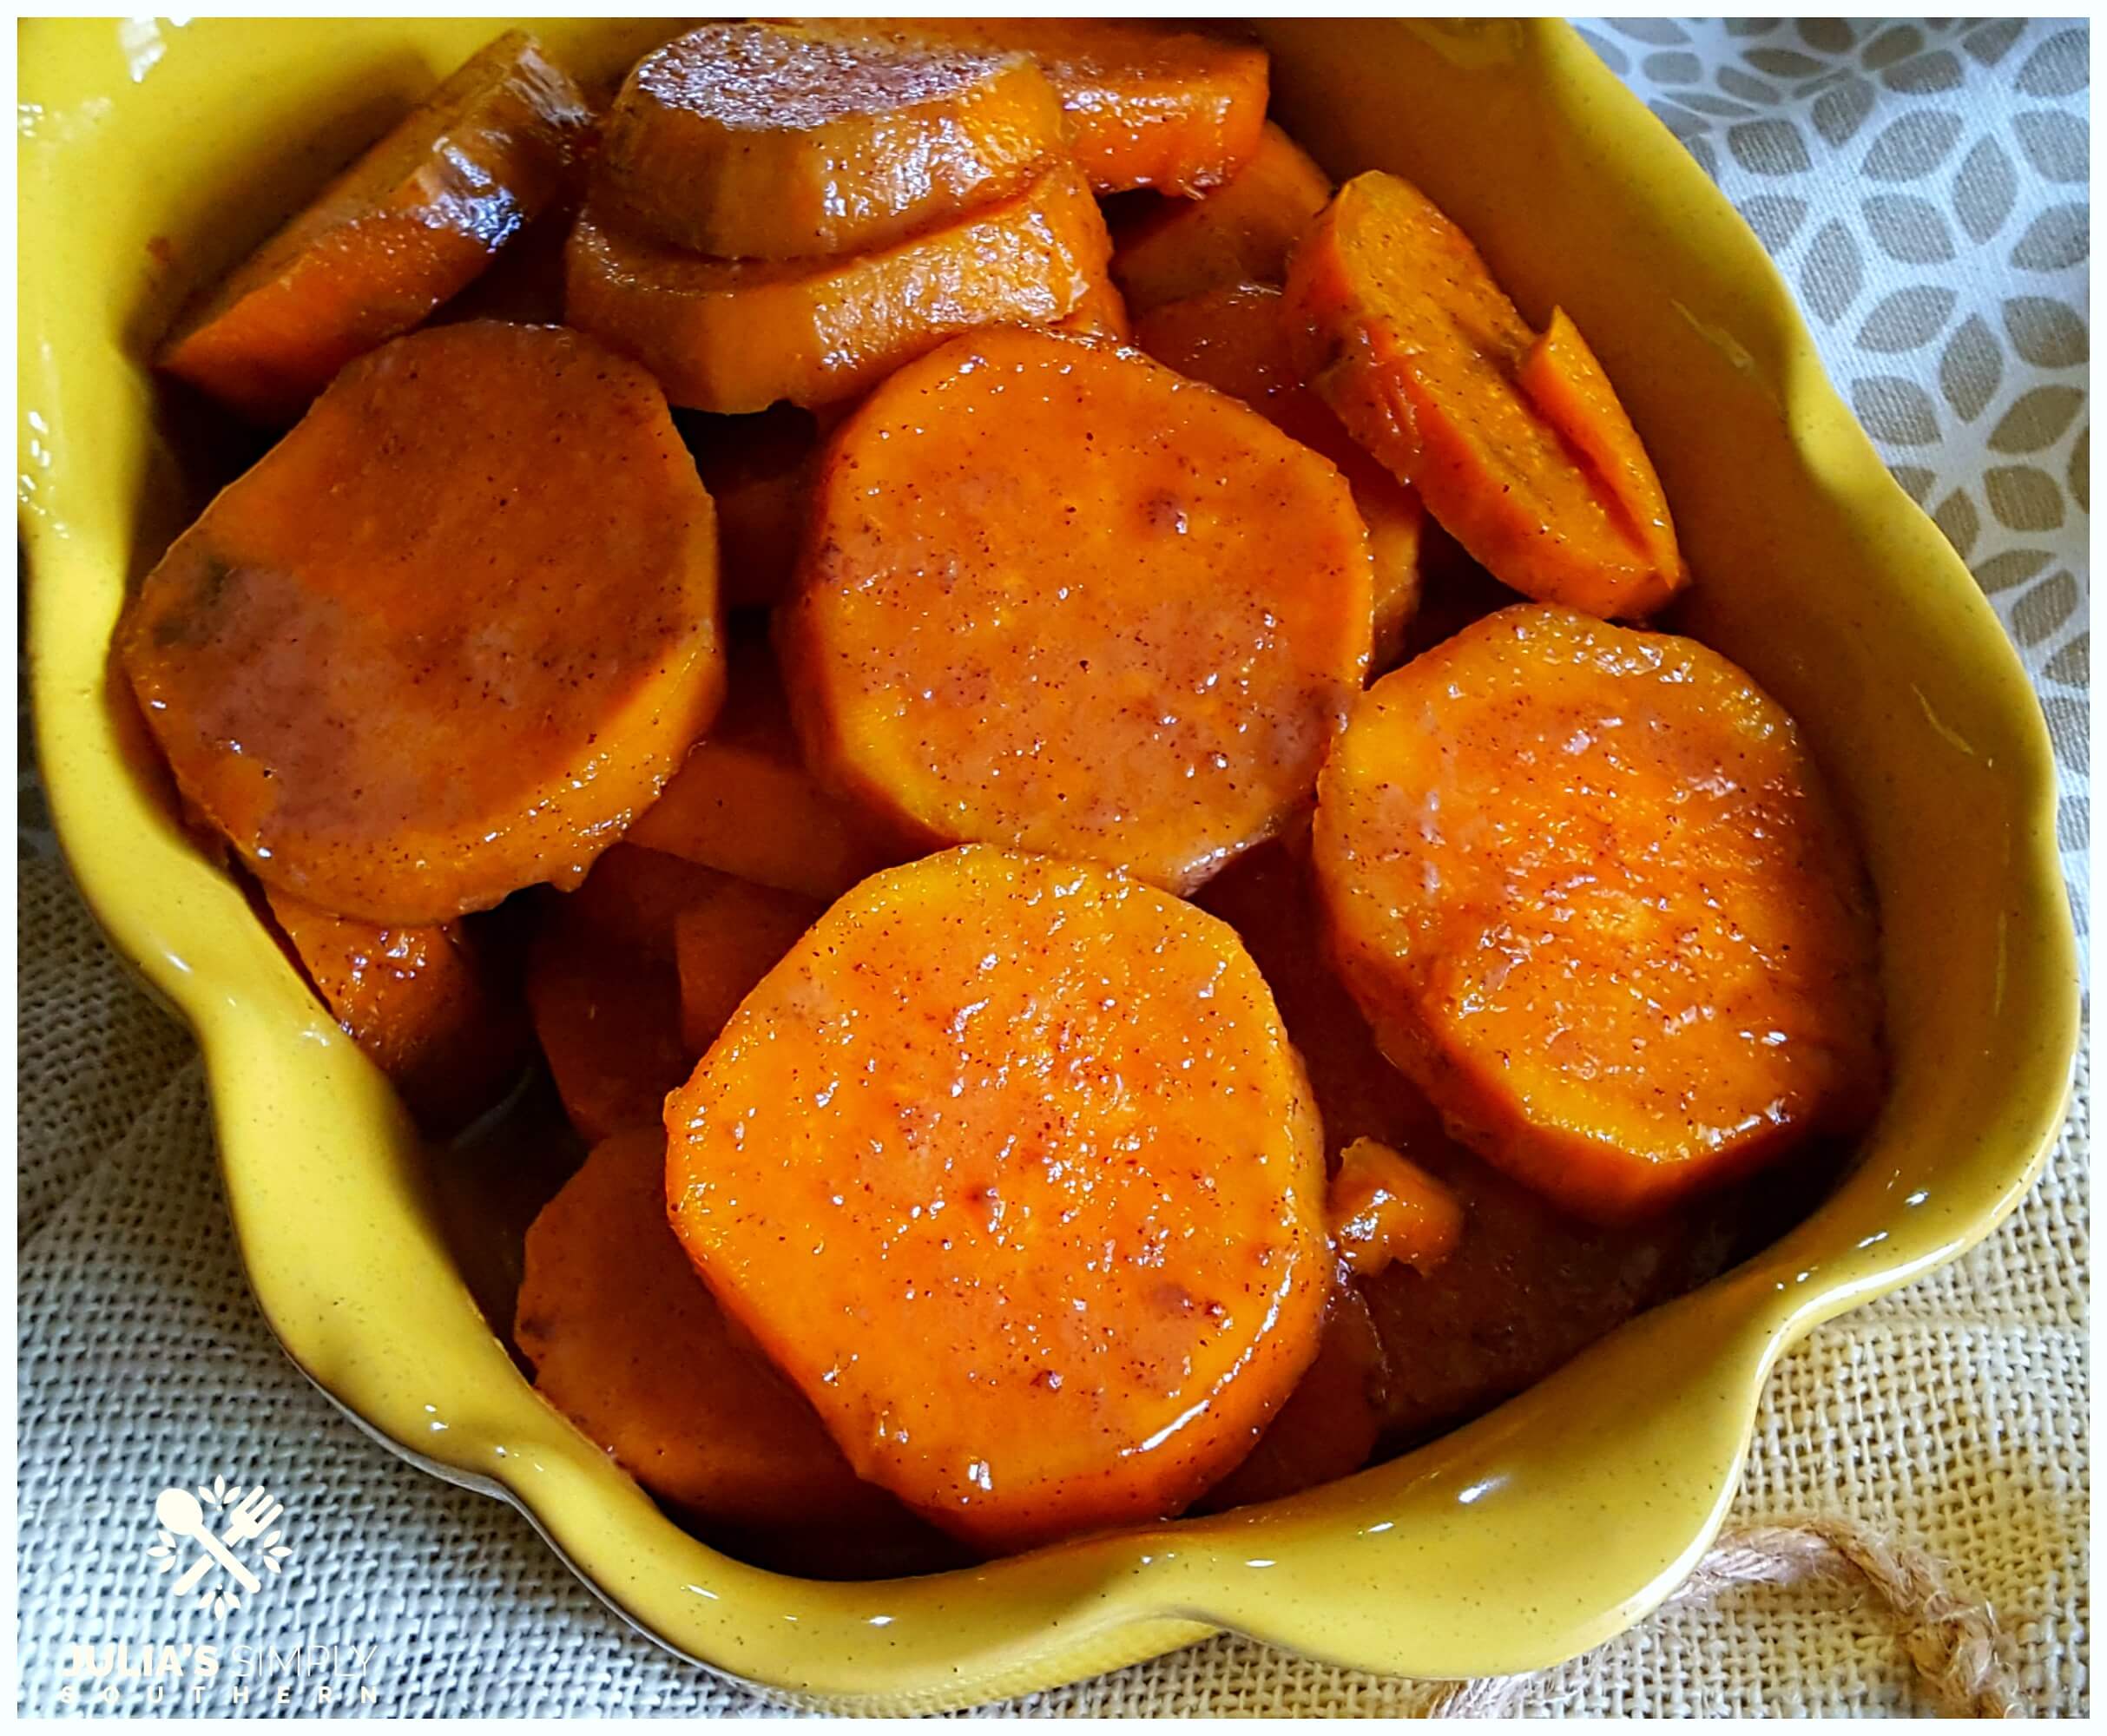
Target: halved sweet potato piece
pixel 1593 897
pixel 1009 1166
pixel 1241 232
pixel 745 803
pixel 1057 597
pixel 408 225
pixel 420 1001
pixel 1236 340
pixel 738 335
pixel 756 141
pixel 449 633
pixel 627 1343
pixel 1401 328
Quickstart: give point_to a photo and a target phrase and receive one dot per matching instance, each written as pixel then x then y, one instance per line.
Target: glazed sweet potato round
pixel 1589 890
pixel 407 226
pixel 753 140
pixel 449 635
pixel 1009 1166
pixel 1054 596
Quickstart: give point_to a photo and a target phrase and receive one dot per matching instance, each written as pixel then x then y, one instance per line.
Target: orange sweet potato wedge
pixel 1401 328
pixel 1236 340
pixel 1009 1166
pixel 757 469
pixel 627 1343
pixel 728 940
pixel 1331 1423
pixel 1593 897
pixel 736 336
pixel 1383 1208
pixel 1148 104
pixel 603 986
pixel 1241 232
pixel 420 1001
pixel 757 140
pixel 1055 597
pixel 449 635
pixel 745 803
pixel 410 224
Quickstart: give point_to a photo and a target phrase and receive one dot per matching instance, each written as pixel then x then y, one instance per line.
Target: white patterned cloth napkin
pixel 1923 187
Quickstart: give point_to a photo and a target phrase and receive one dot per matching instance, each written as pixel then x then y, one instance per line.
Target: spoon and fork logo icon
pixel 251 1516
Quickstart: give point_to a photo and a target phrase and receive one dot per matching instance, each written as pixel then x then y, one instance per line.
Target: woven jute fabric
pixel 1950 1417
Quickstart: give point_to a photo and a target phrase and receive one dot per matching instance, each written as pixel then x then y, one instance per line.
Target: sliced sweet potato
pixel 745 803
pixel 1236 340
pixel 1241 232
pixel 408 225
pixel 1590 892
pixel 757 469
pixel 449 634
pixel 738 335
pixel 757 140
pixel 1401 328
pixel 1527 1287
pixel 627 1343
pixel 726 941
pixel 1331 1423
pixel 1055 597
pixel 1383 1208
pixel 603 985
pixel 1009 1167
pixel 1148 104
pixel 1101 314
pixel 420 1001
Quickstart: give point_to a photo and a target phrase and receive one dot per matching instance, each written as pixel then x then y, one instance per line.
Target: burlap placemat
pixel 1923 187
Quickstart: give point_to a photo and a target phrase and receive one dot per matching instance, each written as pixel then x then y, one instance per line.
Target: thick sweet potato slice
pixel 1383 1208
pixel 1055 597
pixel 745 803
pixel 726 941
pixel 408 225
pixel 1236 340
pixel 1526 1287
pixel 1009 1166
pixel 1331 1423
pixel 420 1001
pixel 1239 233
pixel 605 988
pixel 755 140
pixel 449 634
pixel 627 1343
pixel 1148 104
pixel 1401 328
pixel 757 469
pixel 1589 891
pixel 738 335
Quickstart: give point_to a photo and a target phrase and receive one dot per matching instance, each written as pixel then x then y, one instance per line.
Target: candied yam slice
pixel 1236 340
pixel 755 141
pixel 1241 232
pixel 1399 325
pixel 1383 1208
pixel 420 1001
pixel 1055 597
pixel 627 1343
pixel 745 803
pixel 1148 104
pixel 450 632
pixel 1009 1168
pixel 737 335
pixel 604 987
pixel 1593 897
pixel 411 223
pixel 726 941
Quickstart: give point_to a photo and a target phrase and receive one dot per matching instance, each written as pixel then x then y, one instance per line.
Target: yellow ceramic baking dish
pixel 151 155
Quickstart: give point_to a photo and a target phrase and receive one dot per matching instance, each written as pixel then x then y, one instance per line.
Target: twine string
pixel 1957 1648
